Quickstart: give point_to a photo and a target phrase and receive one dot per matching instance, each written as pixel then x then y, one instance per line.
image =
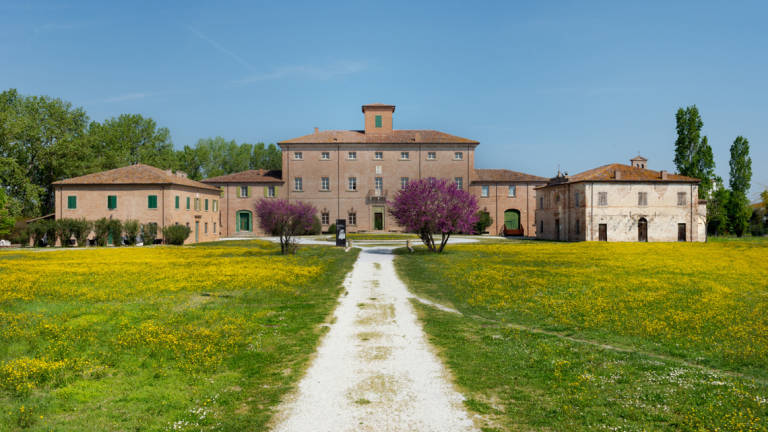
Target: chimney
pixel 317 129
pixel 378 118
pixel 664 175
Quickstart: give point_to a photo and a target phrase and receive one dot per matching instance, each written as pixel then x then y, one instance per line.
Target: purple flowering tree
pixel 285 220
pixel 434 206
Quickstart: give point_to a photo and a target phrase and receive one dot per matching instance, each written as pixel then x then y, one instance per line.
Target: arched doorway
pixel 244 221
pixel 642 230
pixel 512 226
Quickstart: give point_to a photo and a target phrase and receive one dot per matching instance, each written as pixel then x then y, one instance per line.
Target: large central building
pixel 351 174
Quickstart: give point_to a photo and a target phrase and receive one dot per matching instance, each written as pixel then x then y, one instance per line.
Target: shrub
pixel 149 233
pixel 81 229
pixel 434 206
pixel 176 234
pixel 63 229
pixel 20 235
pixel 43 232
pixel 484 220
pixel 101 231
pixel 316 228
pixel 285 219
pixel 131 228
pixel 115 228
pixel 332 229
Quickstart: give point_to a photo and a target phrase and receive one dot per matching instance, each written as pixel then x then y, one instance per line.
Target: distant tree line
pixel 44 139
pixel 728 209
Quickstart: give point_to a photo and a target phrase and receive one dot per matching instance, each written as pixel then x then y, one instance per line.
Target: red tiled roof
pixel 394 137
pixel 134 174
pixel 250 176
pixel 503 175
pixel 626 173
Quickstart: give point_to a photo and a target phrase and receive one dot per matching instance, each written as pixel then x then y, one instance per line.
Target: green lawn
pixel 590 336
pixel 159 338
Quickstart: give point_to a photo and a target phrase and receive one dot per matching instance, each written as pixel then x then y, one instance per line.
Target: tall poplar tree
pixel 693 154
pixel 739 210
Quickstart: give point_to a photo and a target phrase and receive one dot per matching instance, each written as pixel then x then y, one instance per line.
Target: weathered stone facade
pixel 621 203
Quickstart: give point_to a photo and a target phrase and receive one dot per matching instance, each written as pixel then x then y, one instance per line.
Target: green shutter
pixel 187 203
pixel 239 188
pixel 276 188
pixel 72 202
pixel 222 191
pixel 112 202
pixel 206 204
pixel 266 191
pixel 250 191
pixel 378 121
pixel 152 201
pixel 178 198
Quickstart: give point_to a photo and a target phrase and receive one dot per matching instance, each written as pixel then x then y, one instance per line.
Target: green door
pixel 109 238
pixel 512 219
pixel 197 231
pixel 244 221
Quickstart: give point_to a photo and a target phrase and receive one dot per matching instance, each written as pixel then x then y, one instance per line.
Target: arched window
pixel 244 221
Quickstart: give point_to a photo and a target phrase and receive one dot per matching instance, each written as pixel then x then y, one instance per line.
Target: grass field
pixel 159 338
pixel 595 336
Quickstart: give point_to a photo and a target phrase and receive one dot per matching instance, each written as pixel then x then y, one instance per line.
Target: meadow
pixel 596 336
pixel 207 337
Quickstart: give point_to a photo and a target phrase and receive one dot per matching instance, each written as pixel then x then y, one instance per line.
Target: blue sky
pixel 539 84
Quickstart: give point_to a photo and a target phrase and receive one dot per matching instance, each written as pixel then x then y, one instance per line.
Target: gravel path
pixel 374 370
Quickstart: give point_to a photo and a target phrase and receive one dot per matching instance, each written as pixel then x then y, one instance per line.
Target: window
pixel 298 155
pixel 215 205
pixel 378 155
pixel 72 202
pixel 325 155
pixel 177 201
pixel 681 198
pixel 459 182
pixel 404 155
pixel 325 218
pixel 197 204
pixel 602 198
pixel 325 183
pixel 152 201
pixel 378 183
pixel 112 202
pixel 352 155
pixel 214 227
pixel 352 218
pixel 557 198
pixel 458 155
pixel 244 191
pixel 206 204
pixel 484 191
pixel 430 155
pixel 298 186
pixel 187 203
pixel 541 202
pixel 642 198
pixel 578 226
pixel 576 200
pixel 403 182
pixel 270 191
pixel 512 192
pixel 541 227
pixel 378 169
pixel 352 183
pixel 378 121
pixel 221 194
pixel 205 229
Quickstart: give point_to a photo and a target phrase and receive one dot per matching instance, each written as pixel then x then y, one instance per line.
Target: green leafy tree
pixel 739 210
pixel 717 210
pixel 130 139
pixel 7 220
pixel 693 154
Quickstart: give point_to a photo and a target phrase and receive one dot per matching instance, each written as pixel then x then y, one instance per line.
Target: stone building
pixel 239 194
pixel 143 193
pixel 619 202
pixel 351 174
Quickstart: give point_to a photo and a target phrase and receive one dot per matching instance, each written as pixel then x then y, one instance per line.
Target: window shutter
pixel 250 191
pixel 238 191
pixel 276 189
pixel 266 191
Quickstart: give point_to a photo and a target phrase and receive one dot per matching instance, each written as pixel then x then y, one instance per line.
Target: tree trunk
pixel 444 241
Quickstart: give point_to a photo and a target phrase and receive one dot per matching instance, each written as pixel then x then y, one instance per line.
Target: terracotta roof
pixel 134 174
pixel 394 137
pixel 250 176
pixel 502 175
pixel 626 173
pixel 638 157
pixel 378 105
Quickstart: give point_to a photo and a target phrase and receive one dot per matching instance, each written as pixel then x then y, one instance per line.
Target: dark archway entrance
pixel 642 230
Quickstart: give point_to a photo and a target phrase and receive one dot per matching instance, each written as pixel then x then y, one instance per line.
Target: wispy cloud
pixel 127 96
pixel 220 48
pixel 313 72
